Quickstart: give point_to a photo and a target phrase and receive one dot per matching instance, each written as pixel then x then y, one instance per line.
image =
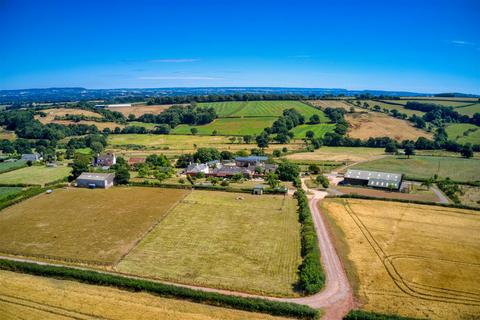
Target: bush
pixel 163 290
pixel 323 181
pixel 364 315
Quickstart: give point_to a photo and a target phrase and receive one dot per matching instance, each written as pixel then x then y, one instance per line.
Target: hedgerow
pixel 364 315
pixel 16 198
pixel 163 290
pixel 311 273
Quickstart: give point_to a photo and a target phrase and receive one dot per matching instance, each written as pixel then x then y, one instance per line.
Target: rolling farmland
pixel 234 241
pixel 140 109
pixel 30 297
pixel 229 126
pixel 412 260
pixel 469 110
pixel 82 225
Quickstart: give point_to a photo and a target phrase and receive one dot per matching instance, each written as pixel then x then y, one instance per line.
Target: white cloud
pixel 462 43
pixel 174 60
pixel 179 78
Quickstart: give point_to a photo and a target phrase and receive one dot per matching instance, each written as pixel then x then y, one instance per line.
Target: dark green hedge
pixel 364 315
pixel 447 205
pixel 311 275
pixel 163 290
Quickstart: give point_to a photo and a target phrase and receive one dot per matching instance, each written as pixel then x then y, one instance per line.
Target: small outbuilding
pixel 95 180
pixel 258 189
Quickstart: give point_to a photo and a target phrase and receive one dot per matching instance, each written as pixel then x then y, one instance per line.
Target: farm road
pixel 336 298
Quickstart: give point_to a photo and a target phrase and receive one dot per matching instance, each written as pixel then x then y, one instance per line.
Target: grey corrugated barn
pixel 95 180
pixel 383 180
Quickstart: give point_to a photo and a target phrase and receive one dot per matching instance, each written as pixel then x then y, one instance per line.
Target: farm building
pixel 105 160
pixel 195 168
pixel 250 161
pixel 230 171
pixel 31 157
pixel 95 180
pixel 382 180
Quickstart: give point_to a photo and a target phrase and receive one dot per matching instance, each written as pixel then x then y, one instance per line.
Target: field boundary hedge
pixel 164 290
pixel 312 277
pixel 16 198
pixel 447 205
pixel 365 315
pixel 206 188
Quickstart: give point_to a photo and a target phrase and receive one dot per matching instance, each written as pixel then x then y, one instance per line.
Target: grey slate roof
pixel 96 176
pixel 375 178
pixel 252 158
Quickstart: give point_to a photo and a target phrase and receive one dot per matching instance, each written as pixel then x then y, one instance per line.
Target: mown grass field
pixel 29 297
pixel 412 260
pixel 464 133
pixel 375 124
pixel 229 126
pixel 389 106
pixel 226 240
pixel 8 166
pixel 346 154
pixel 262 109
pixel 82 224
pixel 458 169
pixel 35 175
pixel 318 129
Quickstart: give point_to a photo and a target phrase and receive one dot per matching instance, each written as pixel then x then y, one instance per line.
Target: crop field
pixel 174 145
pixel 412 260
pixel 318 129
pixel 229 126
pixel 140 109
pixel 30 297
pixel 464 133
pixel 390 107
pixel 226 240
pixel 470 110
pixel 333 104
pixel 34 175
pixel 345 154
pixel 8 166
pixel 83 225
pixel 458 169
pixel 374 124
pixel 262 109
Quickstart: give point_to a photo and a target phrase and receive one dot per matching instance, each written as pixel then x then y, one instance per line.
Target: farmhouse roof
pixel 197 167
pixel 96 176
pixel 136 160
pixel 252 158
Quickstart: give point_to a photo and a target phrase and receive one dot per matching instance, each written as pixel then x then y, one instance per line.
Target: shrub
pixel 322 180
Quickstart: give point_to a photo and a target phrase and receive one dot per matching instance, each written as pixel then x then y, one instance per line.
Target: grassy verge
pixel 163 290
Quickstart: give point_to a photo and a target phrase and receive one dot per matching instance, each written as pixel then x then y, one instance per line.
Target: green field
pixel 149 126
pixel 9 166
pixel 463 133
pixel 449 103
pixel 458 169
pixel 226 240
pixel 7 191
pixel 262 109
pixel 385 105
pixel 470 110
pixel 34 175
pixel 229 126
pixel 318 129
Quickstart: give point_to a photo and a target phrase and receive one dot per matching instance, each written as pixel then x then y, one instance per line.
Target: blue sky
pixel 422 45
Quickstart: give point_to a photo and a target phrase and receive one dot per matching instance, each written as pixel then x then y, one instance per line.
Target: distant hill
pixel 139 94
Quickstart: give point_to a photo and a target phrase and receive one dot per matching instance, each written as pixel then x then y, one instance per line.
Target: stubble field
pixel 412 260
pixel 29 297
pixel 225 240
pixel 82 225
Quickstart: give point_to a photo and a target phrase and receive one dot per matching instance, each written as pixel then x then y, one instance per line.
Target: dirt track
pixel 336 298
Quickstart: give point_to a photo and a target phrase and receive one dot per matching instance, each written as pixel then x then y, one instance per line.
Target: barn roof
pixel 252 158
pixel 96 176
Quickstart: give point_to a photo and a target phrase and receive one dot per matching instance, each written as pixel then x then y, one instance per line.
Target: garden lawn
pixel 458 169
pixel 39 175
pixel 225 240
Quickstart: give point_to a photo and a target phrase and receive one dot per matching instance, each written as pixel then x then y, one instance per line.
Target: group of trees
pixel 222 97
pixel 176 115
pixel 281 128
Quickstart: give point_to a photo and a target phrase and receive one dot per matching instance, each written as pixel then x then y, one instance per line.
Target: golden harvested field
pixel 83 225
pixel 141 109
pixel 413 260
pixel 375 124
pixel 470 196
pixel 345 154
pixel 225 240
pixel 24 296
pixel 417 195
pixel 60 112
pixel 332 104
